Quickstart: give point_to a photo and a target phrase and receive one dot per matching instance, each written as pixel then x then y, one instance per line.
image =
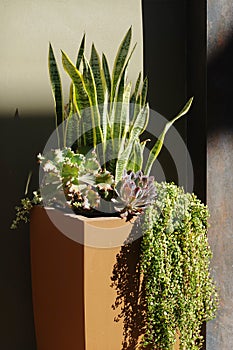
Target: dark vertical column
pixel 220 166
pixel 164 31
pixel 196 86
pixel 175 62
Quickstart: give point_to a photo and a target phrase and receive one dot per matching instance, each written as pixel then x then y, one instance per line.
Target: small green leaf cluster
pixel 175 262
pixel 23 211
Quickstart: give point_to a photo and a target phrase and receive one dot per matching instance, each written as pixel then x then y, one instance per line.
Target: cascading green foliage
pixel 104 111
pixel 175 261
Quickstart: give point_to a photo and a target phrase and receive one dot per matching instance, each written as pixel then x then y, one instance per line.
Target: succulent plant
pixel 77 181
pixel 135 192
pixel 72 179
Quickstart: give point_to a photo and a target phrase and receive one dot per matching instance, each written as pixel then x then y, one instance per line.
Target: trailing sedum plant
pixel 175 261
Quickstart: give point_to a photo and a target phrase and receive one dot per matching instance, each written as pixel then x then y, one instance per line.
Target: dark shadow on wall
pixel 21 139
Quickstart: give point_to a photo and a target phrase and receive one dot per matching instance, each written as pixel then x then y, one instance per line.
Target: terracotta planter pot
pixel 85 296
pixel 71 282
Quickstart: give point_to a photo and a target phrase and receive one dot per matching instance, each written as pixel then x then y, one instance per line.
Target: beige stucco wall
pixel 26 27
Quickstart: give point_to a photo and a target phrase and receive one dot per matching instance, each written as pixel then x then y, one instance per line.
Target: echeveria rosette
pixel 135 192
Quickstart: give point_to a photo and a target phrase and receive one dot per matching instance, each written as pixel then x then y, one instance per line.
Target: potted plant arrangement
pixel 94 186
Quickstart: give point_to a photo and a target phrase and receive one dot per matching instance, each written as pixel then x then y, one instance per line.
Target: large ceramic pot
pixel 72 263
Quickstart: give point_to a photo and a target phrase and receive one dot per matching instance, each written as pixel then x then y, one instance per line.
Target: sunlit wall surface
pixel 26 28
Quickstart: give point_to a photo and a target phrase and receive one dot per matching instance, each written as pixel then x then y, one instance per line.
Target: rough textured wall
pixel 220 165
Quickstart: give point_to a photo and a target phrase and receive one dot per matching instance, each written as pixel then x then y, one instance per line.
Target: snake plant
pixel 105 112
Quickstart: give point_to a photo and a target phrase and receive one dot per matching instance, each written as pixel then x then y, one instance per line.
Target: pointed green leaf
pixel 96 69
pixel 134 96
pixel 124 153
pixel 135 93
pixel 56 86
pixel 92 93
pixel 136 157
pixel 85 95
pixel 140 123
pixel 80 89
pixel 105 124
pixel 144 92
pixel 80 52
pixel 120 61
pixel 143 144
pixel 158 145
pixel 120 108
pixel 89 82
pixel 106 73
pixel 123 118
pixel 72 130
pixel 135 110
pixel 28 183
